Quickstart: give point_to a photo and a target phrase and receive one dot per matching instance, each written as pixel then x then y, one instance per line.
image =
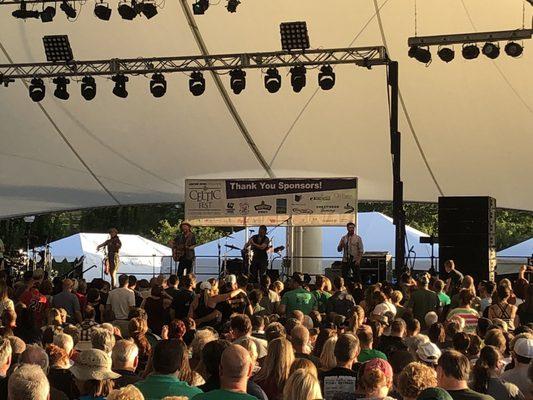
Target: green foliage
pixel 166 231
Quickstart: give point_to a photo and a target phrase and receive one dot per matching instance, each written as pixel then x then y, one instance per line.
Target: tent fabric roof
pixel 472 120
pixel 522 249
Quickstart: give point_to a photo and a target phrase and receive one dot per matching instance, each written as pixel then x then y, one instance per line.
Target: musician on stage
pixel 260 244
pixel 183 249
pixel 352 249
pixel 113 245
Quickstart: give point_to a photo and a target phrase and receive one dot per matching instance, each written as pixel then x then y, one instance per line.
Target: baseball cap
pixel 434 393
pixel 428 352
pixel 524 347
pixel 231 279
pixel 205 285
pixel 381 364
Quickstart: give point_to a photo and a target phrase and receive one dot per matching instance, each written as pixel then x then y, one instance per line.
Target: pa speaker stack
pixel 467 235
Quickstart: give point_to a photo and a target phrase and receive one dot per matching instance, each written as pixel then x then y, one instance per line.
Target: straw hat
pixel 93 364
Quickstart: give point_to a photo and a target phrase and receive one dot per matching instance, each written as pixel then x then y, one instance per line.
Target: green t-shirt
pixel 155 387
pixel 369 354
pixel 321 299
pixel 299 299
pixel 444 299
pixel 423 301
pixel 221 394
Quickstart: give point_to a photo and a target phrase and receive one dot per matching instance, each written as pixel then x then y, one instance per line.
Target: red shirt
pixel 37 303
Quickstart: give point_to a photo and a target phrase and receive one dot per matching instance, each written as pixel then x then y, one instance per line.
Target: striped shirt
pixel 469 315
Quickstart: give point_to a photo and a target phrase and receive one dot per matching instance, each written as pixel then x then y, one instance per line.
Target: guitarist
pixel 260 244
pixel 183 249
pixel 113 245
pixel 352 250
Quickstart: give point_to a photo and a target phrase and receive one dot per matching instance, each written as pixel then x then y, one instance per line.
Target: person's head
pixel 240 325
pixel 438 285
pixel 235 367
pixel 128 392
pixel 274 330
pixel 278 361
pixel 93 374
pixel 201 338
pixel 35 355
pixel 453 369
pixel 132 282
pixel 123 280
pixel 102 339
pixel 113 232
pixel 483 324
pixel 28 382
pixel 486 289
pixel 376 378
pixel 302 385
pixel 258 323
pixel 414 378
pixel 523 350
pixel 436 333
pixel 5 355
pixel 125 355
pixel 262 230
pixel 412 326
pixel 338 282
pixel 167 357
pixel 365 336
pixel 185 227
pixel 449 265
pixel 490 360
pixel 211 355
pixel 327 355
pixel 299 338
pixel 397 328
pixel 428 353
pixel 65 342
pixel 68 284
pixel 503 293
pixel 434 393
pixel 173 280
pixel 496 338
pixel 346 349
pixel 305 364
pixel 350 227
pixel 461 342
pixel 396 297
pixel 188 281
pixel 431 318
pixel 54 317
pixel 423 281
pixel 57 356
pixel 137 327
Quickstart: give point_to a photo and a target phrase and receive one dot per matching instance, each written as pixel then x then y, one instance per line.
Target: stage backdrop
pixel 247 202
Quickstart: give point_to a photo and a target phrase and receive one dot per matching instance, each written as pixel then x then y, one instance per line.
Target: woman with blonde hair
pixel 129 392
pixel 202 309
pixel 276 368
pixel 302 385
pixel 305 364
pixel 137 329
pixel 414 378
pixel 327 357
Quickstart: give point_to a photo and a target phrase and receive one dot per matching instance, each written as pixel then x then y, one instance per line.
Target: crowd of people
pixel 303 339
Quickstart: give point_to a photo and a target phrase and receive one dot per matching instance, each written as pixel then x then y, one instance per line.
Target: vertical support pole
pixel 397 196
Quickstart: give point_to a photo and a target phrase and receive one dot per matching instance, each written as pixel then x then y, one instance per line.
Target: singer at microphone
pixel 352 249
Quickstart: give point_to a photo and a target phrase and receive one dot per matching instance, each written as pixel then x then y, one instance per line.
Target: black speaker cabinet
pixel 467 235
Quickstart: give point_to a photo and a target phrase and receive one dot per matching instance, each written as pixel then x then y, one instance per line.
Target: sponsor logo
pixel 230 206
pixel 263 207
pixel 297 198
pixel 349 209
pixel 321 198
pixel 302 211
pixel 244 208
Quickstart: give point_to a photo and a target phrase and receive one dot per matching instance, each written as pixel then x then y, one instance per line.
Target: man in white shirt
pixel 351 246
pixel 122 299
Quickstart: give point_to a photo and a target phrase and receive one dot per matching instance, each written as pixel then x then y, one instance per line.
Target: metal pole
pixel 397 203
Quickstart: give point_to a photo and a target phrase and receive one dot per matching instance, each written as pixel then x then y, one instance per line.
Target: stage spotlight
pixel 294 36
pixel 69 11
pixel 148 9
pixel 197 83
pixel 24 13
pixel 513 49
pixel 61 87
pixel 470 51
pixel 326 77
pixel 102 11
pixel 232 5
pixel 491 50
pixel 446 54
pixel 420 54
pixel 37 89
pixel 127 11
pixel 158 85
pixel 48 14
pixel 272 80
pixel 88 88
pixel 120 85
pixel 237 80
pixel 200 7
pixel 298 78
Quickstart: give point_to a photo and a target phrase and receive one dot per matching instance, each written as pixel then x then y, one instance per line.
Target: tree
pixel 166 231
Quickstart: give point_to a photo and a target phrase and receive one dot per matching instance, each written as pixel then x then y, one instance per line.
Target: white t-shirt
pixel 382 308
pixel 121 300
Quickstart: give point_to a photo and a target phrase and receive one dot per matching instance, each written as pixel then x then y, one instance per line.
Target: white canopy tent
pixel 139 256
pixel 376 230
pixel 466 126
pixel 511 258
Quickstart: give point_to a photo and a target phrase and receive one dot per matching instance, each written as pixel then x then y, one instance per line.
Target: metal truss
pixel 517 34
pixel 360 56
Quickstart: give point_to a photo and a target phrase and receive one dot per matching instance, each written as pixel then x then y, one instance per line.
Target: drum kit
pixel 236 265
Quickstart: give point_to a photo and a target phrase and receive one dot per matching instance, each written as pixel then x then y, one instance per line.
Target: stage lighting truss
pixel 471 44
pixel 57 48
pixel 196 66
pixel 128 9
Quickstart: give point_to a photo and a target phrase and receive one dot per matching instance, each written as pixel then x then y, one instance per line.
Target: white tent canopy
pixel 376 230
pixel 511 258
pixel 466 126
pixel 139 256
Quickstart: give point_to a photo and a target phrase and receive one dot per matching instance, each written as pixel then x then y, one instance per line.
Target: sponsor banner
pixel 246 202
